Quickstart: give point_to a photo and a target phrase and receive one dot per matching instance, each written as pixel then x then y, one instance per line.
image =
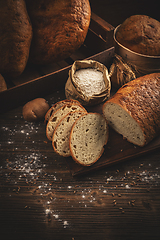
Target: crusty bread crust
pixel 59 28
pixel 58 115
pixel 88 136
pixel 140 99
pixel 141 34
pixel 56 106
pixel 15 37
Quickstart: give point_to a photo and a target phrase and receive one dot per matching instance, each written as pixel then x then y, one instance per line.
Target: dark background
pixel 116 11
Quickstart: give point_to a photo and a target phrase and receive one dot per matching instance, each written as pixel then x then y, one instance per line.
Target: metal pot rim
pixel 123 48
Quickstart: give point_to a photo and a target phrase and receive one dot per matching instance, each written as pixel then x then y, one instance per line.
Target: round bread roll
pixel 141 34
pixel 59 28
pixel 35 110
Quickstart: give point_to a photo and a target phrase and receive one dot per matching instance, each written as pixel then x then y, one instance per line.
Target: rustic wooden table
pixel 41 200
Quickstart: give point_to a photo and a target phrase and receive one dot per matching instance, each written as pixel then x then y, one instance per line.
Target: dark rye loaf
pixel 141 34
pixel 59 28
pixel 134 111
pixel 15 37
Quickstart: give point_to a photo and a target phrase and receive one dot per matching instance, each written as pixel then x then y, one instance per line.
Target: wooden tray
pixel 117 150
pixel 40 81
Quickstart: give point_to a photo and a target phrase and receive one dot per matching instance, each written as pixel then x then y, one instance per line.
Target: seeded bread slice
pixel 56 106
pixel 88 136
pixel 60 138
pixel 58 115
pixel 134 111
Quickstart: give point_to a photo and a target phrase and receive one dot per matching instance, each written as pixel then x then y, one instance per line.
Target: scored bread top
pixel 88 136
pixel 56 106
pixel 60 138
pixel 58 115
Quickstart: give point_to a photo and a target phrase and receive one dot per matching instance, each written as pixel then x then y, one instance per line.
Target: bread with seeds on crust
pixel 134 111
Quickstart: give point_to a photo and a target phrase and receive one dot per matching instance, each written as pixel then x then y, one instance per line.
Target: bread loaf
pixel 134 111
pixel 58 115
pixel 15 37
pixel 141 34
pixel 59 28
pixel 61 134
pixel 88 136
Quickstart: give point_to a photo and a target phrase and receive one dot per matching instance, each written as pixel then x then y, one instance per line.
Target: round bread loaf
pixel 141 34
pixel 59 28
pixel 134 111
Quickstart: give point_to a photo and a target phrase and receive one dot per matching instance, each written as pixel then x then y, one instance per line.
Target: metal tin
pixel 143 63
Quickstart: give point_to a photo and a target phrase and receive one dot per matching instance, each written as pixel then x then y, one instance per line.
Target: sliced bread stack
pixel 56 106
pixel 77 133
pixel 61 135
pixel 59 114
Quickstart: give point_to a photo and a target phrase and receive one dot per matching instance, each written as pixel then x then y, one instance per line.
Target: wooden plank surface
pixel 116 151
pixel 40 199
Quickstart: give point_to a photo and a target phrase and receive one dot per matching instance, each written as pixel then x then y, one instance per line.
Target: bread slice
pixel 134 111
pixel 60 138
pixel 58 115
pixel 88 136
pixel 56 106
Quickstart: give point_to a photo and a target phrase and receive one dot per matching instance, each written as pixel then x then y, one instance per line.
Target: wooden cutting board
pixel 117 150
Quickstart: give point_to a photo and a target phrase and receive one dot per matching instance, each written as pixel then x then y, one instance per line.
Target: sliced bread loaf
pixel 134 111
pixel 58 115
pixel 60 138
pixel 56 106
pixel 88 136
